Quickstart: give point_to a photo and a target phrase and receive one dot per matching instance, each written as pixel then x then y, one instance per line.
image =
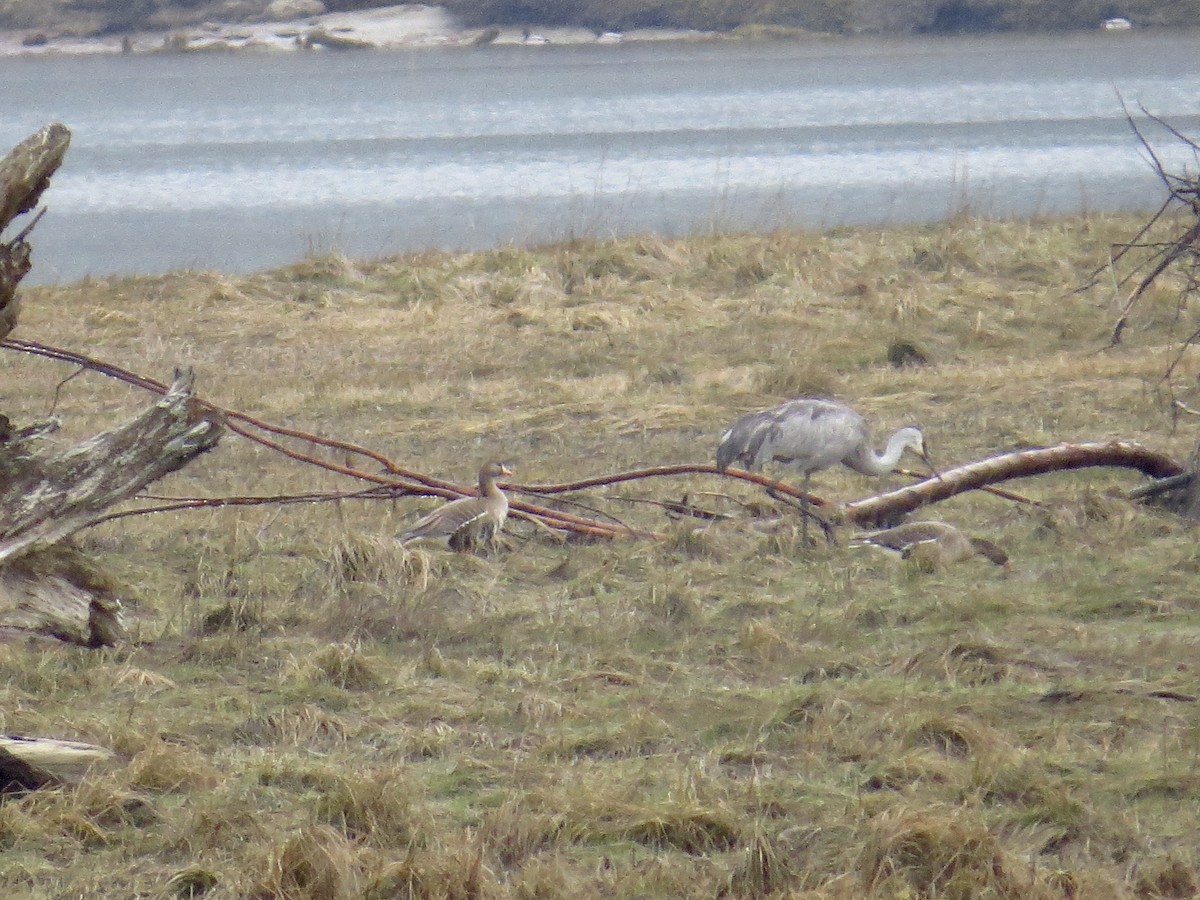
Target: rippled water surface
pixel 239 162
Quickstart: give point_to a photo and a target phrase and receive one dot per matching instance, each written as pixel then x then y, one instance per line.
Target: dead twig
pixel 662 472
pixel 1182 190
pixel 1160 486
pixel 676 508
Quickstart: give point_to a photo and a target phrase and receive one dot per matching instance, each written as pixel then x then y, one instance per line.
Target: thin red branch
pixel 662 471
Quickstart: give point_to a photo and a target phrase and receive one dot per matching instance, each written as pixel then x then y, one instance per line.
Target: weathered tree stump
pixel 49 587
pixel 47 494
pixel 24 174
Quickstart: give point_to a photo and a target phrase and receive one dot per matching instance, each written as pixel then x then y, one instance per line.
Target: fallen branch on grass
pixel 677 509
pixel 1019 464
pixel 1161 486
pixel 27 764
pixel 388 480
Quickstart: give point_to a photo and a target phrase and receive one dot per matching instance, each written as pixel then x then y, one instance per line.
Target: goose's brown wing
pixel 449 519
pixel 905 536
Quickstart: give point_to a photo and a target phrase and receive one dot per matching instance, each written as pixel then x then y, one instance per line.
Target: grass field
pixel 309 711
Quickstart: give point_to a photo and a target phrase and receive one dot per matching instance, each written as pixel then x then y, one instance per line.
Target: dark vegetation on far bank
pixel 862 16
pixel 82 17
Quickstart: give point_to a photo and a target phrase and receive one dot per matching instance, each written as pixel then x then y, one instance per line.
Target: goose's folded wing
pixel 446 520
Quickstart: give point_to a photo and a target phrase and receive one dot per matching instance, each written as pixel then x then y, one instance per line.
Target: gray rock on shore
pixel 287 10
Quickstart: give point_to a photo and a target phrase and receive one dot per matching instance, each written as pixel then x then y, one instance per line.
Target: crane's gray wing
pixel 807 433
pixel 815 434
pixel 744 439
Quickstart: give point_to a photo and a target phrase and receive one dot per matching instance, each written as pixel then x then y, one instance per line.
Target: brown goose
pixel 468 521
pixel 937 543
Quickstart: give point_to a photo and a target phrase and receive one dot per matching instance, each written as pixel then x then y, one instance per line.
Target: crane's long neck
pixel 869 462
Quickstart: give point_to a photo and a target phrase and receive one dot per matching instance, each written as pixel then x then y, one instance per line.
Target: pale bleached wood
pixel 47 493
pixel 28 763
pixel 24 174
pixel 61 593
pixel 1018 464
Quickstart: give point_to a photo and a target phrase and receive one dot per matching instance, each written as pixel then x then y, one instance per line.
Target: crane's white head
pixel 911 438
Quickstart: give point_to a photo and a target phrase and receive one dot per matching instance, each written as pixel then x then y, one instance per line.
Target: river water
pixel 243 161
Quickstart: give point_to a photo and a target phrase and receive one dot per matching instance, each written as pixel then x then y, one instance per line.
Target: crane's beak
pixel 924 454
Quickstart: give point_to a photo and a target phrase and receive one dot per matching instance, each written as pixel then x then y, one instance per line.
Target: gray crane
pixel 467 521
pixel 811 435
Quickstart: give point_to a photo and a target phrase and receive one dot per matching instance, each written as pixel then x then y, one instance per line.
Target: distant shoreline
pixel 384 28
pixel 400 27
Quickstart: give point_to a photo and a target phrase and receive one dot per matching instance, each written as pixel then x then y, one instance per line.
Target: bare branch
pixel 1020 464
pixel 396 481
pixel 1181 190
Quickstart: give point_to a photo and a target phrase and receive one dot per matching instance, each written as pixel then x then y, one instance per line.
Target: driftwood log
pixel 29 763
pixel 24 174
pixel 47 493
pixel 889 507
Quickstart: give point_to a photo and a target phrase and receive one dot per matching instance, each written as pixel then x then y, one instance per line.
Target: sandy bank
pixel 385 28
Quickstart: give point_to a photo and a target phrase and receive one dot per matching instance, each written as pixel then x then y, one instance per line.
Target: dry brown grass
pixel 309 710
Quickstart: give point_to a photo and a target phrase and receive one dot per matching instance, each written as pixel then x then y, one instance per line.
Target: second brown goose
pixel 937 542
